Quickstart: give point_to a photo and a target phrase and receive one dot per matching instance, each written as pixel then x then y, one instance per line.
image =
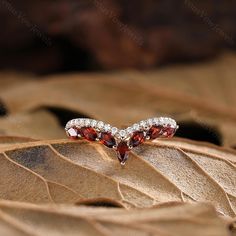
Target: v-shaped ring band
pixel 122 141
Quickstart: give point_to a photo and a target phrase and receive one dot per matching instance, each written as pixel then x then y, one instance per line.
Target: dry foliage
pixel 20 219
pixel 38 167
pixel 72 172
pixel 203 94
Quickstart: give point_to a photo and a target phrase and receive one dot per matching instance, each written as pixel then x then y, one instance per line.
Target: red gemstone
pixel 122 152
pixel 155 131
pixel 137 138
pixel 89 133
pixel 107 139
pixel 168 132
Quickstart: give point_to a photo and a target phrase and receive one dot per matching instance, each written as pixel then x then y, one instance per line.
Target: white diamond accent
pixel 68 124
pixel 81 122
pixel 114 130
pixel 136 127
pixel 107 128
pixel 161 121
pixel 100 124
pixel 129 130
pixel 150 122
pixel 76 122
pixel 93 123
pixel 142 123
pixel 122 133
pixel 73 122
pixel 172 123
pixel 155 121
pixel 87 122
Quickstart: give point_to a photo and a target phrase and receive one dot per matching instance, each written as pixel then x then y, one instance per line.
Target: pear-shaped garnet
pixel 107 139
pixel 88 133
pixel 122 152
pixel 155 131
pixel 168 132
pixel 137 138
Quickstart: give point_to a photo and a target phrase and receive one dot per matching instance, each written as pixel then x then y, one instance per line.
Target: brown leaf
pixel 163 171
pixel 36 125
pixel 198 94
pixel 6 141
pixel 184 219
pixel 8 80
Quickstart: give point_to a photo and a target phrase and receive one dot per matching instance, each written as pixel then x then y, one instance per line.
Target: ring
pixel 122 141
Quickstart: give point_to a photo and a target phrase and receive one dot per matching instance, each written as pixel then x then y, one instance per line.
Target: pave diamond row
pixel 100 126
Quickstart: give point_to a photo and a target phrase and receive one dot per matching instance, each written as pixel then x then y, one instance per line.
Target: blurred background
pixel 86 35
pixel 181 53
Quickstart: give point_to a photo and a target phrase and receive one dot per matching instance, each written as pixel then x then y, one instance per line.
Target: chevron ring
pixel 122 141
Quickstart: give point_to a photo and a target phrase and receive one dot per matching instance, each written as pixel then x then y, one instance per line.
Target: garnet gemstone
pixel 168 132
pixel 137 138
pixel 155 131
pixel 122 152
pixel 89 133
pixel 107 139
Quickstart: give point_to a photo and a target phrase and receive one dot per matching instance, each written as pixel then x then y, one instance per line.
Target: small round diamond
pixel 136 127
pixel 100 124
pixel 167 121
pixel 73 122
pixel 68 125
pixel 122 133
pixel 76 122
pixel 81 122
pixel 150 122
pixel 87 122
pixel 93 123
pixel 107 128
pixel 172 123
pixel 161 121
pixel 155 121
pixel 142 123
pixel 114 130
pixel 129 130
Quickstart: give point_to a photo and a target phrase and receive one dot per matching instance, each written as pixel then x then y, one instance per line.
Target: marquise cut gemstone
pixel 89 133
pixel 168 132
pixel 107 139
pixel 137 138
pixel 155 131
pixel 122 152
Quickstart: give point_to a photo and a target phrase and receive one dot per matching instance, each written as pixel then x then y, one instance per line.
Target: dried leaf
pixel 82 173
pixel 27 219
pixel 6 141
pixel 202 94
pixel 64 171
pixel 8 80
pixel 36 125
